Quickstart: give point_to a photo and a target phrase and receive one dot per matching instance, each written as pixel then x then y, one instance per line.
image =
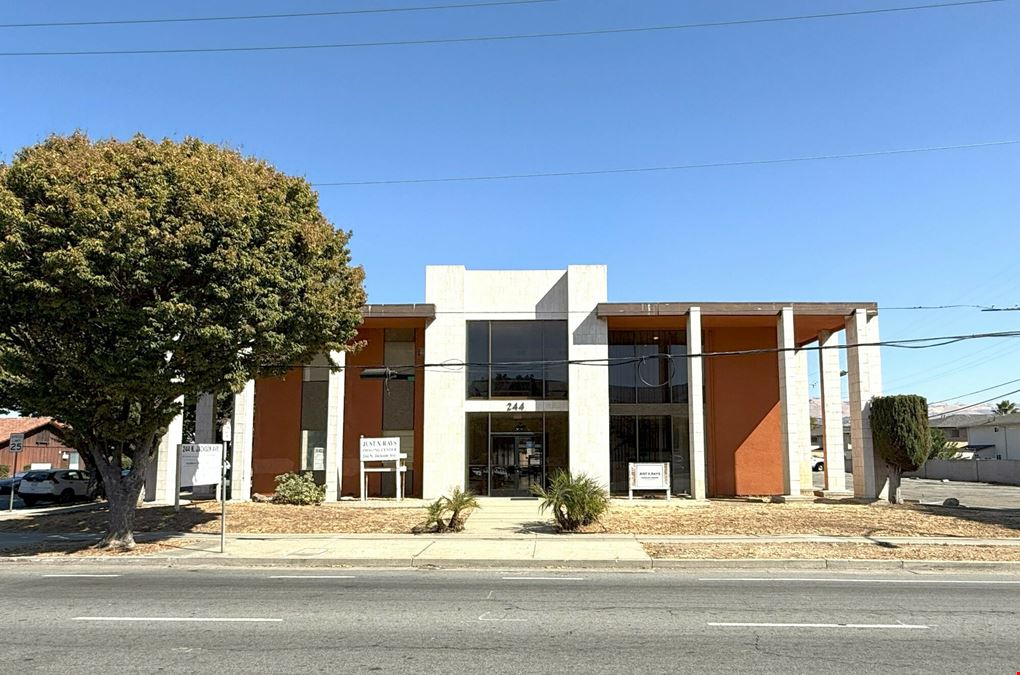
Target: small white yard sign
pixel 200 464
pixel 648 476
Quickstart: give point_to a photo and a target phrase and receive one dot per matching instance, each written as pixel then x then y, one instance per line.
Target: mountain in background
pixel 933 410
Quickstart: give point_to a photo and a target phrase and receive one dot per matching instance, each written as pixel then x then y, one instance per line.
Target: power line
pixel 456 364
pixel 979 391
pixel 983 308
pixel 287 15
pixel 674 167
pixel 974 405
pixel 504 38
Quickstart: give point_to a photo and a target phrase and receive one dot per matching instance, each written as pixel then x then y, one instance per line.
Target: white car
pixel 57 485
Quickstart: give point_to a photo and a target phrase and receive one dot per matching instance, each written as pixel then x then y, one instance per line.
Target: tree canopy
pixel 136 272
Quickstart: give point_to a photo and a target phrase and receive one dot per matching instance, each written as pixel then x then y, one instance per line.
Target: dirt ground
pixel 242 518
pixel 838 519
pixel 832 552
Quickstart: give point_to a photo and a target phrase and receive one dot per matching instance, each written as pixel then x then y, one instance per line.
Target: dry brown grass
pixel 242 518
pixel 77 550
pixel 831 552
pixel 842 519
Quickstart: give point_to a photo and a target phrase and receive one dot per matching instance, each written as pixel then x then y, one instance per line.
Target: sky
pixel 930 228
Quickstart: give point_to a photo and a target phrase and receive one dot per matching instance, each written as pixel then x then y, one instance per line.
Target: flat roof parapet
pixel 611 309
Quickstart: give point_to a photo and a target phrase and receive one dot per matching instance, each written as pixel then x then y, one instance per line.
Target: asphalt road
pixel 290 620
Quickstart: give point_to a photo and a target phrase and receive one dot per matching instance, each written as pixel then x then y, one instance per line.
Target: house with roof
pixel 43 447
pixel 995 437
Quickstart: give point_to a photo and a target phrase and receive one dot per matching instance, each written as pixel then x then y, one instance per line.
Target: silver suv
pixel 55 485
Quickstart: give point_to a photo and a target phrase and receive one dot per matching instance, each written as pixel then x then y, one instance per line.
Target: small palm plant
pixel 459 504
pixel 575 501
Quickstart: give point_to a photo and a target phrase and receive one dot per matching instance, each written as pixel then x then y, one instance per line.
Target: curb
pixel 595 565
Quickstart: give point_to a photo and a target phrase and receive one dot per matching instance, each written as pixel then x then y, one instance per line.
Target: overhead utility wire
pixel 983 308
pixel 674 167
pixel 286 15
pixel 503 38
pixel 907 343
pixel 979 391
pixel 974 405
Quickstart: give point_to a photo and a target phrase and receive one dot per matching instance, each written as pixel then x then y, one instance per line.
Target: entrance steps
pixel 508 516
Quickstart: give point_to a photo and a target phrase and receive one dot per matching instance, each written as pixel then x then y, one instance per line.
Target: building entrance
pixel 516 461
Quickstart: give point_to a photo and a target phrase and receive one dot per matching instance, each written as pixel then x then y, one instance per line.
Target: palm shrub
pixel 435 518
pixel 459 504
pixel 294 488
pixel 575 501
pixel 899 429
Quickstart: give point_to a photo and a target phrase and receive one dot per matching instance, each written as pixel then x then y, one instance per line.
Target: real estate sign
pixel 200 463
pixel 648 476
pixel 380 449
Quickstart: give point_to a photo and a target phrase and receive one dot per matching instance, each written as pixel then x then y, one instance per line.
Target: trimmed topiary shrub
pixel 899 430
pixel 293 488
pixel 575 501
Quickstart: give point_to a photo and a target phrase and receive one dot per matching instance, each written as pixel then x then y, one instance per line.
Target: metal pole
pixel 10 505
pixel 177 481
pixel 223 496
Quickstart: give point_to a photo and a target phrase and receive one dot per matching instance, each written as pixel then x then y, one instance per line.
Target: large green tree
pixel 133 273
pixel 899 429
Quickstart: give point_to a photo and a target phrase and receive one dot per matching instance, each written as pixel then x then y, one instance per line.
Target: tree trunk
pixel 894 484
pixel 120 526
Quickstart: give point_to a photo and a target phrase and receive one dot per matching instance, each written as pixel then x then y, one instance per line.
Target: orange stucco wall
pixel 277 438
pixel 742 403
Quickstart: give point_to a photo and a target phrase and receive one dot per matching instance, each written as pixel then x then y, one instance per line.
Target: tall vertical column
pixel 788 409
pixel 205 419
pixel 161 475
pixel 863 386
pixel 588 340
pixel 243 428
pixel 696 404
pixel 832 411
pixel 335 427
pixel 802 405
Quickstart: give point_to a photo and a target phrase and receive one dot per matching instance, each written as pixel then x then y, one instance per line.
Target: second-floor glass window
pixel 517 359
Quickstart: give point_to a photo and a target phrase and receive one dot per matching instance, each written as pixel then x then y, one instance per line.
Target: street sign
pixel 17 443
pixel 200 464
pixel 380 449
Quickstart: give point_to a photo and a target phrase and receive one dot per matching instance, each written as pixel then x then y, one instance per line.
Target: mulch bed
pixel 831 552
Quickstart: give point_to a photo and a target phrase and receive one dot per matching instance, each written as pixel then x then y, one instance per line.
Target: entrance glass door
pixel 516 462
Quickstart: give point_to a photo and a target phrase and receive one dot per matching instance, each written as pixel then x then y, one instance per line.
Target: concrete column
pixel 335 428
pixel 788 408
pixel 242 430
pixel 863 366
pixel 445 341
pixel 696 405
pixel 832 412
pixel 205 419
pixel 588 339
pixel 161 474
pixel 802 402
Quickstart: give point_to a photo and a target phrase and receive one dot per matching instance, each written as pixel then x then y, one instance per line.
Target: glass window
pixel 517 359
pixel 398 395
pixel 622 371
pixel 649 438
pixel 314 408
pixel 478 453
pixel 658 371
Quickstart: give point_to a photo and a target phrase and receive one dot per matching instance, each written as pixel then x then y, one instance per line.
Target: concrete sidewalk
pixel 533 550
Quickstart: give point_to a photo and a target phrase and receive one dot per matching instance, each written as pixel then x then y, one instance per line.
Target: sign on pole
pixel 200 464
pixel 648 476
pixel 385 449
pixel 17 443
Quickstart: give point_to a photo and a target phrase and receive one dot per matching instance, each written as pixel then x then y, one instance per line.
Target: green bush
pixel 575 501
pixel 899 429
pixel 448 514
pixel 941 447
pixel 293 488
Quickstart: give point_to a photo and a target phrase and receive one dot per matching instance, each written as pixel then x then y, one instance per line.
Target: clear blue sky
pixel 911 229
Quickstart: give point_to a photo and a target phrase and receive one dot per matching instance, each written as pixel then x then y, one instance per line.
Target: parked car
pixel 61 485
pixel 7 485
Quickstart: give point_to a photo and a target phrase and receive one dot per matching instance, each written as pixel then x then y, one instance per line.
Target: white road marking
pixel 819 625
pixel 863 581
pixel 491 593
pixel 229 619
pixel 313 576
pixel 53 576
pixel 543 578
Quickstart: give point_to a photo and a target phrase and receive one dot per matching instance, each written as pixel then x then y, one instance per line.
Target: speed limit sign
pixel 17 443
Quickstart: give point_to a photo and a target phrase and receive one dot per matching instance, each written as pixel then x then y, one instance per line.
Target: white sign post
pixel 16 445
pixel 197 464
pixel 648 476
pixel 385 449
